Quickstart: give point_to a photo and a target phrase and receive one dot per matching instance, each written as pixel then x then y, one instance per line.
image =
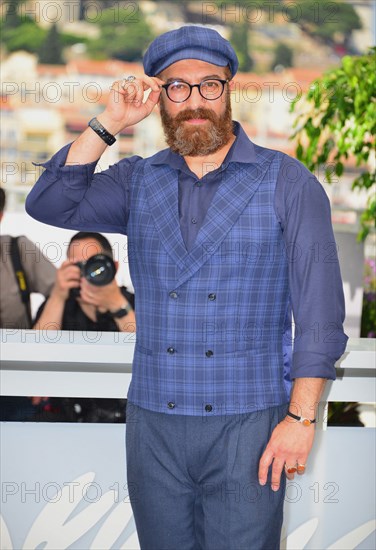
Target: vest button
pixel 212 296
pixel 171 350
pixel 209 353
pixel 171 405
pixel 173 294
pixel 208 408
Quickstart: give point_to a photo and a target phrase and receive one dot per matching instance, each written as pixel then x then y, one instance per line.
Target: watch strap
pixel 101 131
pixel 121 312
pixel 304 421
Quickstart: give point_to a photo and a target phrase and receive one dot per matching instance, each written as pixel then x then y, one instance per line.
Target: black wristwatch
pixel 120 313
pixel 101 131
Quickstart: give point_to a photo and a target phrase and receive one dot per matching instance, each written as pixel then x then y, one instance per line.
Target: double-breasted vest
pixel 211 322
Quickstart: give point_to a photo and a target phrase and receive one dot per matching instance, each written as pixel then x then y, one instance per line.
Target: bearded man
pixel 221 232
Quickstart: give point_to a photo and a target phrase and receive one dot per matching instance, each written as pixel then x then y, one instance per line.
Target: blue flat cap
pixel 189 42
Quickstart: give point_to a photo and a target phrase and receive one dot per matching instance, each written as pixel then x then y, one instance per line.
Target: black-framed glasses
pixel 179 90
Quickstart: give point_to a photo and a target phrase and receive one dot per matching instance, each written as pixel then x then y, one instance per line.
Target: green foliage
pixel 283 55
pixel 67 39
pixel 51 50
pixel 368 324
pixel 23 33
pixel 325 19
pixel 320 19
pixel 239 40
pixel 339 120
pixel 12 19
pixel 27 36
pixel 126 41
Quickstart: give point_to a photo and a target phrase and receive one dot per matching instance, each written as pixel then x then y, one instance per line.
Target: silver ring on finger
pixel 127 80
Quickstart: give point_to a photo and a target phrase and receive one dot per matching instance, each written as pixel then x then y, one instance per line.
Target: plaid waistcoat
pixel 210 322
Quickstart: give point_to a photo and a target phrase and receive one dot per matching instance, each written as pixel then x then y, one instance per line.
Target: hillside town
pixel 45 105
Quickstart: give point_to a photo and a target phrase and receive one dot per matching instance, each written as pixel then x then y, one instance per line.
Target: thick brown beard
pixel 197 142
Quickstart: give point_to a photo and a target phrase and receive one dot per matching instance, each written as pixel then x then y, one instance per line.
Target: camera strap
pixel 20 276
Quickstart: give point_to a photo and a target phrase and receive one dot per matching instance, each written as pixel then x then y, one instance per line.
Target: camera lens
pixel 99 270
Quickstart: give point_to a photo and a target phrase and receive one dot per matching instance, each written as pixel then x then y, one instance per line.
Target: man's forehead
pixel 193 67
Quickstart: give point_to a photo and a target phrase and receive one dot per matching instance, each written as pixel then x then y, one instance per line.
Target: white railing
pixel 65 484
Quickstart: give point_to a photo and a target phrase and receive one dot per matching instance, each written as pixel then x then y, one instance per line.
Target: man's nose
pixel 195 99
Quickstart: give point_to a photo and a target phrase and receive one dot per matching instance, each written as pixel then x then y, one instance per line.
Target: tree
pixel 51 50
pixel 27 36
pixel 124 40
pixel 239 40
pixel 23 33
pixel 283 55
pixel 325 20
pixel 339 121
pixel 329 22
pixel 12 18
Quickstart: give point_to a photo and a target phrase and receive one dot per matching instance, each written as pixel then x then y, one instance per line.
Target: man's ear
pixel 116 265
pixel 231 85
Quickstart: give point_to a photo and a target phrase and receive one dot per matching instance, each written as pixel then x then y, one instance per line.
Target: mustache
pixel 196 113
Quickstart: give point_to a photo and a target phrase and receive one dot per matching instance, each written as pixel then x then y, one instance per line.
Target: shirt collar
pixel 242 150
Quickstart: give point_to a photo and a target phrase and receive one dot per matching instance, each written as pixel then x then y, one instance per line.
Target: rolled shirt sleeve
pixel 316 291
pixel 75 197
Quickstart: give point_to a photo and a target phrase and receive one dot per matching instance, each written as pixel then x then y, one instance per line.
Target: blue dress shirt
pixel 270 218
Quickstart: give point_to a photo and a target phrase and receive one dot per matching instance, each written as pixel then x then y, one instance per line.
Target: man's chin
pixel 198 148
pixel 197 136
pixel 193 142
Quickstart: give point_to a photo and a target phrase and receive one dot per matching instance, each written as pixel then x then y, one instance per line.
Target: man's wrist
pixel 121 311
pixel 302 419
pixel 101 131
pixel 58 295
pixel 111 126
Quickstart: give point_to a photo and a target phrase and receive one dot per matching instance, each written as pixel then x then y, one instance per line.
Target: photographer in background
pixel 77 304
pixel 23 270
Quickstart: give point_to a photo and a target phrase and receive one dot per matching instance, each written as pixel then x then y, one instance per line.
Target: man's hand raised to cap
pixel 126 105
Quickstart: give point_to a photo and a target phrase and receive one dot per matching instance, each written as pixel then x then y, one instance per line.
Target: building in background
pixel 44 107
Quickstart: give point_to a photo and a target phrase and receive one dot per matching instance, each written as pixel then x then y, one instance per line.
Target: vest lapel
pixel 231 198
pixel 162 191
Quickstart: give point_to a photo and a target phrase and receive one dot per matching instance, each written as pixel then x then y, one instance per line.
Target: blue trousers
pixel 194 481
